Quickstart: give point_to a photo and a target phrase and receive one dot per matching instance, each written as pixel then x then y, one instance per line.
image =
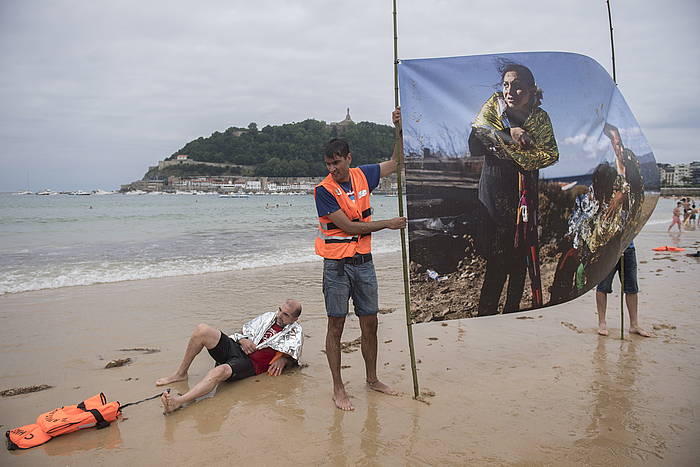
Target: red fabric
pixel 261 358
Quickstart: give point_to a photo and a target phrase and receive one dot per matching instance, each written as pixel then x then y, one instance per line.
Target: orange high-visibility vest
pixel 92 412
pixel 334 243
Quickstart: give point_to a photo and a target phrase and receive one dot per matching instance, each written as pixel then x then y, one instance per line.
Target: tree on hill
pixel 291 149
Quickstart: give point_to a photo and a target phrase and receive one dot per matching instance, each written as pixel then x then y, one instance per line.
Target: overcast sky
pixel 93 92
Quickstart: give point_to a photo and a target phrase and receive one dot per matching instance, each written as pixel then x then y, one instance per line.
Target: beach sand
pixel 534 388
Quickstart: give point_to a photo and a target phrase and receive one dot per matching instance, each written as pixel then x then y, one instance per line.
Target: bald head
pixel 293 306
pixel 288 312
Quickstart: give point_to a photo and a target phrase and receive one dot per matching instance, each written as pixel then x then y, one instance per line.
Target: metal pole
pixel 398 146
pixel 612 41
pixel 622 296
pixel 622 258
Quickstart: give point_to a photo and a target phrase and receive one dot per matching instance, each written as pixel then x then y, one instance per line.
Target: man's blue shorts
pixel 358 282
pixel 631 286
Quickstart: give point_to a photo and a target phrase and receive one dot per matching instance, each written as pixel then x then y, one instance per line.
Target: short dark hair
pixel 336 147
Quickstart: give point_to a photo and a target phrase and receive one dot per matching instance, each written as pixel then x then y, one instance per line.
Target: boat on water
pixel 234 195
pixel 25 192
pixel 46 192
pixel 80 193
pixel 103 192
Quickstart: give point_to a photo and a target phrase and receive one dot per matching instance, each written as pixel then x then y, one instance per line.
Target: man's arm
pixel 389 167
pixel 346 225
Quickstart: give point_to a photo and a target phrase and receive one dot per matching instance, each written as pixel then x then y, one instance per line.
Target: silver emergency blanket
pixel 289 340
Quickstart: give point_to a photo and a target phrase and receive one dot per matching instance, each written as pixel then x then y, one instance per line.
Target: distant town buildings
pixel 681 175
pixel 238 184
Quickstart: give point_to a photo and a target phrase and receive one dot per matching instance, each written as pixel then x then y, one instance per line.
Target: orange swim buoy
pixel 668 248
pixel 92 412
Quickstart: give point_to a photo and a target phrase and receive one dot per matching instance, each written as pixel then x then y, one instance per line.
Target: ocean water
pixel 61 240
pixel 661 217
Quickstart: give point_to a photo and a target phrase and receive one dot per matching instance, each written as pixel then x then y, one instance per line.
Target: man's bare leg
pixel 368 326
pixel 632 300
pixel 601 303
pixel 203 336
pixel 333 334
pixel 215 376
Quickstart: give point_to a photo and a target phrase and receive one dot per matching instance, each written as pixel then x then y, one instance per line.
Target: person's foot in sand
pixel 640 332
pixel 602 327
pixel 170 402
pixel 381 387
pixel 175 377
pixel 341 399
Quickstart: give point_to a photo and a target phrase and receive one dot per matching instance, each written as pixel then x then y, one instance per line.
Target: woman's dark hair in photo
pixel 603 181
pixel 525 76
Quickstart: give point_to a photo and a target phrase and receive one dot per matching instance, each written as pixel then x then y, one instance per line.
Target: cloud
pixel 95 92
pixel 575 140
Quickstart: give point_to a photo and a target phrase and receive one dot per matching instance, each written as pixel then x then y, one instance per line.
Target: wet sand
pixel 534 388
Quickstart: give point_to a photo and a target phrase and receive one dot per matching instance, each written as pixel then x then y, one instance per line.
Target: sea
pixel 47 242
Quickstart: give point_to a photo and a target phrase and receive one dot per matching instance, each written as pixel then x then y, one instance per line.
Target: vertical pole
pixel 622 258
pixel 622 296
pixel 612 41
pixel 398 146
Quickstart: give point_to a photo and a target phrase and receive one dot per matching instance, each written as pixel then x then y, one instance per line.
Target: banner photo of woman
pixel 527 175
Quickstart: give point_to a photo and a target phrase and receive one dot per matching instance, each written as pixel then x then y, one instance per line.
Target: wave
pixel 89 273
pixel 657 222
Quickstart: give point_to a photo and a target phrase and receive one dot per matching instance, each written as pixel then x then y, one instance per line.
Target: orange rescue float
pixel 668 248
pixel 92 412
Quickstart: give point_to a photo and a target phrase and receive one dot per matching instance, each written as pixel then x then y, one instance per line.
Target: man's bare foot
pixel 603 329
pixel 169 403
pixel 381 387
pixel 640 332
pixel 170 379
pixel 341 399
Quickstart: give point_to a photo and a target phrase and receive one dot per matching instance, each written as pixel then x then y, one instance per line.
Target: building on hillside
pixel 340 126
pixel 144 185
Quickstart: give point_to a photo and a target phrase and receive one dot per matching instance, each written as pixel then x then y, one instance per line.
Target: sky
pixel 94 92
pixel 441 97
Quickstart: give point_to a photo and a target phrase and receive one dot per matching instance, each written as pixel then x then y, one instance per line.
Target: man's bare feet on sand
pixel 602 331
pixel 641 332
pixel 341 399
pixel 170 379
pixel 169 403
pixel 381 387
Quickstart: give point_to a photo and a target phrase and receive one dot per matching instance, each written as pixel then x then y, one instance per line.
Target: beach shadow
pixel 84 440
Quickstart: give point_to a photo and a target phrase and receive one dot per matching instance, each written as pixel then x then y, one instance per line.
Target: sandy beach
pixel 535 388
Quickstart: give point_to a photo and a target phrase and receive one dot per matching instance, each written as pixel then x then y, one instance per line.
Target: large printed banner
pixel 527 175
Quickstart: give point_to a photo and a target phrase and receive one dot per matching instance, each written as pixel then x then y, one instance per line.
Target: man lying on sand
pixel 267 343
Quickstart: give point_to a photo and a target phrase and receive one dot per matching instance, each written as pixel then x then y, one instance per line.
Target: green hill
pixel 288 150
